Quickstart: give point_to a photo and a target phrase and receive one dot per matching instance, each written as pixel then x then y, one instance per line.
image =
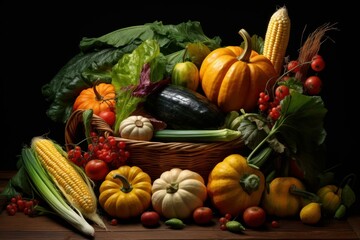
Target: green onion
pixel 217 135
pixel 42 183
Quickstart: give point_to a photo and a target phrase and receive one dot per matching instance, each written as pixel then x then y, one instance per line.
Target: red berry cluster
pixel 20 204
pixel 272 108
pixel 108 149
pixel 223 220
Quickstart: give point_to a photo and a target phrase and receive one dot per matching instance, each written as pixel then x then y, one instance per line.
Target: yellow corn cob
pixel 277 38
pixel 76 189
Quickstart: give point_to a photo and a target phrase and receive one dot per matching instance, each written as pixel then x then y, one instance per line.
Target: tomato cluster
pixel 20 204
pixel 102 155
pixel 269 102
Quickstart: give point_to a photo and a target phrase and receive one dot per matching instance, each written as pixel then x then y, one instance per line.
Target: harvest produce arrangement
pixel 164 125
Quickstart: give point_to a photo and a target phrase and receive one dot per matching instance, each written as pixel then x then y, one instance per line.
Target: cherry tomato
pixel 108 116
pixel 96 169
pixel 317 63
pixel 254 216
pixel 293 66
pixel 312 85
pixel 281 92
pixel 202 215
pixel 150 219
pixel 275 224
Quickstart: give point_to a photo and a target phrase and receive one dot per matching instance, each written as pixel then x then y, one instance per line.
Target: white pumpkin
pixel 177 193
pixel 136 128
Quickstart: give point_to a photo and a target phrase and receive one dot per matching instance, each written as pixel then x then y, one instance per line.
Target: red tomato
pixel 254 216
pixel 281 92
pixel 275 224
pixel 293 66
pixel 150 219
pixel 317 63
pixel 96 169
pixel 313 85
pixel 108 116
pixel 203 215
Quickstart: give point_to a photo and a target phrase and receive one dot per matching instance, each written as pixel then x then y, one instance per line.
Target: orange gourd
pixel 233 77
pixel 100 97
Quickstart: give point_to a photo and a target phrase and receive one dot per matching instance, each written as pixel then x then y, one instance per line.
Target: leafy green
pixel 299 133
pixel 133 77
pixel 75 76
pixel 301 122
pixel 170 37
pixel 18 184
pixel 98 55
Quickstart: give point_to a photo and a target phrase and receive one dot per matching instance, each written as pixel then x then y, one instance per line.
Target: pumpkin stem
pixel 305 194
pixel 172 188
pixel 246 53
pixel 97 94
pixel 139 123
pixel 250 183
pixel 126 185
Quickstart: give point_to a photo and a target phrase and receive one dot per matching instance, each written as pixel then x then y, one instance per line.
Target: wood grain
pixel 24 227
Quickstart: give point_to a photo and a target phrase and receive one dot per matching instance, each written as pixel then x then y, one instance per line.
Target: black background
pixel 37 39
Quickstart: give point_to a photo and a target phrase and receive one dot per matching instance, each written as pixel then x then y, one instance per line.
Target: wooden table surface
pixel 23 227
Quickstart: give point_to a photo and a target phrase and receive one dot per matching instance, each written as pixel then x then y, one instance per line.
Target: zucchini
pixel 184 109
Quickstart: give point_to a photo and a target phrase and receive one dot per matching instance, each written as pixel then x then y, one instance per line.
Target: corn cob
pixel 44 186
pixel 277 38
pixel 70 179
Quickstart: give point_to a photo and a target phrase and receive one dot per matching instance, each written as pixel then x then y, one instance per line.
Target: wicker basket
pixel 156 157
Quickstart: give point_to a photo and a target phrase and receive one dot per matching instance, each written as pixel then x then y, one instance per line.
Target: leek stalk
pixel 216 135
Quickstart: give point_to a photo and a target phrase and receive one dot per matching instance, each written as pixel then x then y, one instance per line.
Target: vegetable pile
pixel 172 83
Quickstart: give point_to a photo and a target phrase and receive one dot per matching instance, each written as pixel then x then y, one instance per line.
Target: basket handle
pixel 76 118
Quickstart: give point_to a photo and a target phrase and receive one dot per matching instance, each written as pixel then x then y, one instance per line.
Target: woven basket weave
pixel 156 157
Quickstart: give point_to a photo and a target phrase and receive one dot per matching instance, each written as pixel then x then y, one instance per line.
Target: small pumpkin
pixel 137 128
pixel 233 185
pixel 99 98
pixel 177 193
pixel 125 192
pixel 330 198
pixel 233 77
pixel 279 200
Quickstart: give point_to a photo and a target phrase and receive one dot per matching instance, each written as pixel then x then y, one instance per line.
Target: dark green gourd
pixel 182 108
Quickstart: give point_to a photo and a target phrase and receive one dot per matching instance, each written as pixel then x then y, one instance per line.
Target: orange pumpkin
pixel 100 97
pixel 233 77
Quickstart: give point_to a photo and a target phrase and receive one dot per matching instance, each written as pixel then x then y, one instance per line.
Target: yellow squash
pixel 233 185
pixel 233 77
pixel 125 192
pixel 330 197
pixel 278 199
